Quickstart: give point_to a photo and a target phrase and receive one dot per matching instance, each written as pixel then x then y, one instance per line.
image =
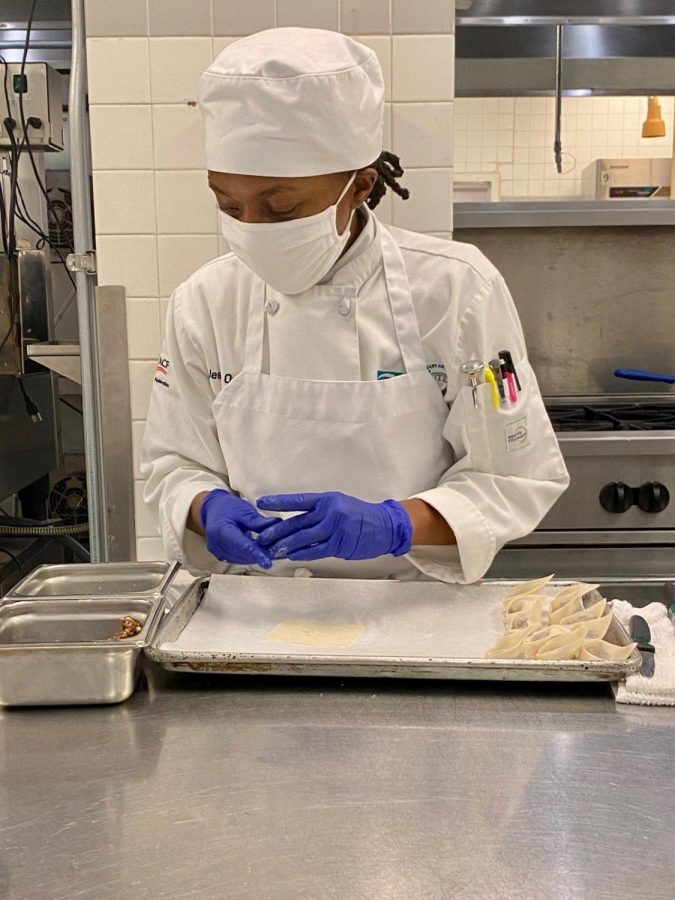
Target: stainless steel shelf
pixel 563 213
pixel 60 357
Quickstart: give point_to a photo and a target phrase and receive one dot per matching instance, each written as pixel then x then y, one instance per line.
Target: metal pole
pixel 83 240
pixel 557 143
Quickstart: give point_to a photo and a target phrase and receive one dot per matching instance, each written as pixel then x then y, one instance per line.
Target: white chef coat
pixel 508 470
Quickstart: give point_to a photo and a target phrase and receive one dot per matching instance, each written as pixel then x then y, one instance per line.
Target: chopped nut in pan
pixel 130 628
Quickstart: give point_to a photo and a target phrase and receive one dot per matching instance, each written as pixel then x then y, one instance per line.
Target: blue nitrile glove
pixel 337 525
pixel 227 521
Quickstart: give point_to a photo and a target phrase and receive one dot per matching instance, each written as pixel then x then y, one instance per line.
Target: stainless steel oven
pixel 618 515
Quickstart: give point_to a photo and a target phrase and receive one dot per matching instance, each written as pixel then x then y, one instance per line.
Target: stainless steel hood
pixel 565 12
pixel 50 36
pixel 609 47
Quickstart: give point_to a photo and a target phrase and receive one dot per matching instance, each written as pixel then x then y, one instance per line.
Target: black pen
pixel 495 365
pixel 508 360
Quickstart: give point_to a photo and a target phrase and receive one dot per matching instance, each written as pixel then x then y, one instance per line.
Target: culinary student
pixel 308 411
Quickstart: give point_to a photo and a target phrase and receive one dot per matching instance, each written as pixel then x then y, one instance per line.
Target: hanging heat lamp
pixel 653 126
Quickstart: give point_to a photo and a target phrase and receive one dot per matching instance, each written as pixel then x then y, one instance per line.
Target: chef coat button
pixel 344 306
pixel 271 307
pixel 303 573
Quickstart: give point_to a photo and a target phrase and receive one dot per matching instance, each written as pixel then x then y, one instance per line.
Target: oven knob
pixel 616 497
pixel 653 497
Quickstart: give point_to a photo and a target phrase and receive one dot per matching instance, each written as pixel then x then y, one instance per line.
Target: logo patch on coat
pixel 162 371
pixel 439 372
pixel 517 435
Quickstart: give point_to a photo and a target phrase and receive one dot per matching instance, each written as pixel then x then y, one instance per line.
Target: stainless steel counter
pixel 245 789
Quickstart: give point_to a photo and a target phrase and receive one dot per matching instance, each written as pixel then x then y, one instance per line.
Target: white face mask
pixel 290 256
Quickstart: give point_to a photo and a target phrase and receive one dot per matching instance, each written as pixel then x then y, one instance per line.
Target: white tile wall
pixel 178 138
pixel 121 137
pixel 242 18
pixel 166 17
pixel 423 67
pixel 112 209
pixel 130 261
pixel 118 19
pixel 140 385
pixel 156 221
pixel 308 13
pixel 423 133
pixel 430 205
pixel 423 16
pixel 514 139
pixel 175 67
pixel 117 70
pixel 143 329
pixel 185 203
pixel 365 16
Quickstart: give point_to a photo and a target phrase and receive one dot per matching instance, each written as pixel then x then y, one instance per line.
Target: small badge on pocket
pixel 517 435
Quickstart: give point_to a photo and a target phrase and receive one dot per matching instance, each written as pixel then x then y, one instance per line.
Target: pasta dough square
pixel 314 633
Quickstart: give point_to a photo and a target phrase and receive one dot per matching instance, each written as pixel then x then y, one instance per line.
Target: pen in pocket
pixel 510 368
pixel 492 381
pixel 496 368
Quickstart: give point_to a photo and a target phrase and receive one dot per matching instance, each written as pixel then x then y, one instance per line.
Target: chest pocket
pixel 515 440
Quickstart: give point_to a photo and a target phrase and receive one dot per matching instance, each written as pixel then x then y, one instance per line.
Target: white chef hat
pixel 292 102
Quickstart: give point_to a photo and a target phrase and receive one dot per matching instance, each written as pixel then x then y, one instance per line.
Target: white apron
pixel 371 439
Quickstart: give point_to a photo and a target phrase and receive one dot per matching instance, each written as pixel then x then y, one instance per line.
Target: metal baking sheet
pixel 409 630
pixel 95 580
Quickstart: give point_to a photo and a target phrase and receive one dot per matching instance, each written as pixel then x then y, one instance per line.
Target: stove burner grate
pixel 626 417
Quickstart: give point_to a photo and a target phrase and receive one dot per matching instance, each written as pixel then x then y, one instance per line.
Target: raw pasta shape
pixel 539 636
pixel 528 587
pixel 562 612
pixel 571 592
pixel 599 650
pixel 535 614
pixel 596 628
pixel 523 602
pixel 509 645
pixel 595 611
pixel 562 646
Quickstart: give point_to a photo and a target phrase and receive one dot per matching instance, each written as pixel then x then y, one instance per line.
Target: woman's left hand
pixel 332 524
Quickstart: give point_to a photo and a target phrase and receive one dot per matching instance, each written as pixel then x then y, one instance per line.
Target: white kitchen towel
pixel 659 690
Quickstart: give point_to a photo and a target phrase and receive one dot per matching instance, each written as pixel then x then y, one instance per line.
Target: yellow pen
pixel 492 381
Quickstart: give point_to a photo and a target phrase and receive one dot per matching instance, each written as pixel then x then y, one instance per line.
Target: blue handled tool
pixel 641 375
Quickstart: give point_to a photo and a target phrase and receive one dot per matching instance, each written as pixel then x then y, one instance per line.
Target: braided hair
pixel 388 168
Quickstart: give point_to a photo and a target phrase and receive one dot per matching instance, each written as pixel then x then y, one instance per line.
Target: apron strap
pixel 255 330
pixel 401 302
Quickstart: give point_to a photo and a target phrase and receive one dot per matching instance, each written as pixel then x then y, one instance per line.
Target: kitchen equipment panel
pixel 625 483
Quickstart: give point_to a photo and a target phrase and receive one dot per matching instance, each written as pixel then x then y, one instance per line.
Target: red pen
pixel 511 384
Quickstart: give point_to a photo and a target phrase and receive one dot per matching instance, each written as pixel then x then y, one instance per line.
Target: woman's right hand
pixel 228 522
